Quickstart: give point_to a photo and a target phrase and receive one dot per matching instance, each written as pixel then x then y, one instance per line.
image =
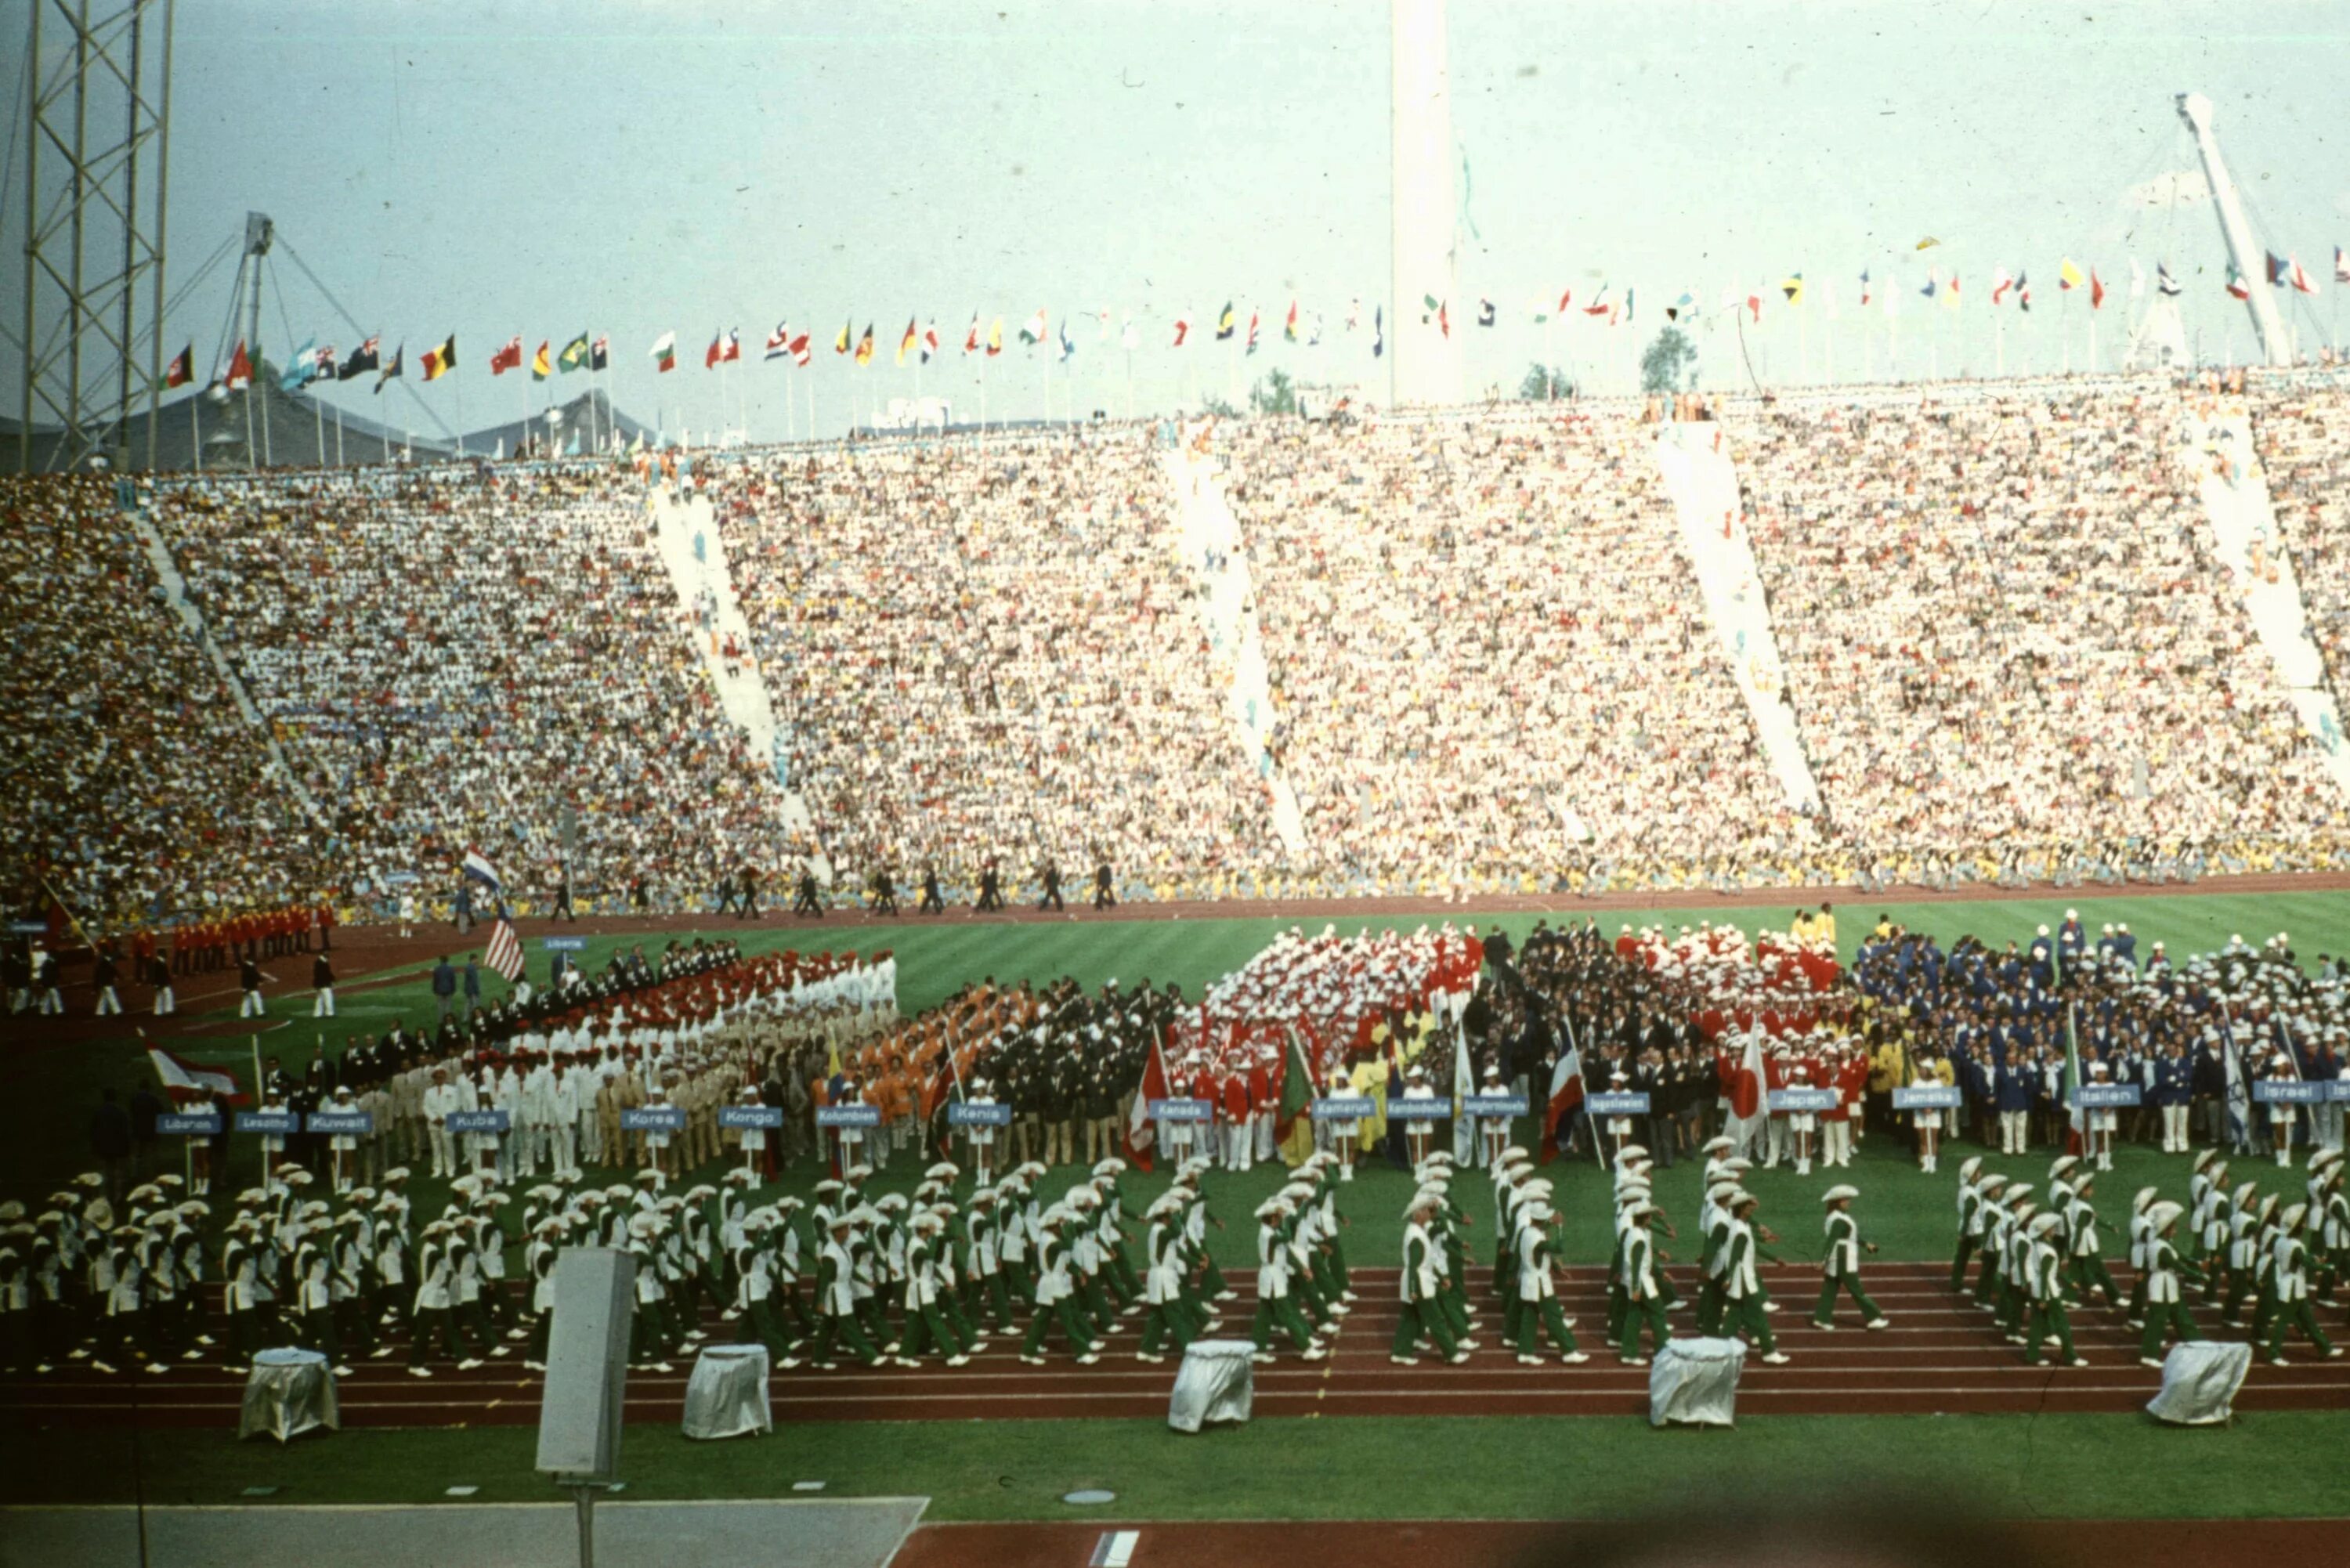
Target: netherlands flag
pixel 479 869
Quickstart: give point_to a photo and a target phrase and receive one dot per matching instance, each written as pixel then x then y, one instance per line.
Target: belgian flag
pixel 439 362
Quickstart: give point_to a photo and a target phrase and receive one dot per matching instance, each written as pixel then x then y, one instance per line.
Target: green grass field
pixel 1497 1466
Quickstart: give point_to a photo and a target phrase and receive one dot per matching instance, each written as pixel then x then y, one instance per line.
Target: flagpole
pixel 196 428
pixel 318 428
pixel 338 435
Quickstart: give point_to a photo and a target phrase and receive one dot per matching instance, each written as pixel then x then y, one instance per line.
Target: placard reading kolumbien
pixel 276 1123
pixel 978 1113
pixel 350 1123
pixel 655 1118
pixel 848 1115
pixel 1344 1108
pixel 2109 1096
pixel 760 1117
pixel 2290 1092
pixel 1493 1106
pixel 1407 1109
pixel 1182 1111
pixel 477 1121
pixel 1928 1097
pixel 1813 1100
pixel 188 1124
pixel 1618 1102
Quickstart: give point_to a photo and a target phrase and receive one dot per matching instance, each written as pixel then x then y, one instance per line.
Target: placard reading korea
pixel 658 1118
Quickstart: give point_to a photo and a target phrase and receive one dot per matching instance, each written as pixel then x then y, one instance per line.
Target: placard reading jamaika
pixel 848 1115
pixel 279 1122
pixel 1493 1106
pixel 1404 1108
pixel 750 1116
pixel 2288 1092
pixel 479 1121
pixel 980 1114
pixel 1344 1108
pixel 1182 1111
pixel 1928 1097
pixel 1618 1102
pixel 2341 1087
pixel 187 1124
pixel 563 944
pixel 655 1118
pixel 2109 1096
pixel 360 1123
pixel 1806 1099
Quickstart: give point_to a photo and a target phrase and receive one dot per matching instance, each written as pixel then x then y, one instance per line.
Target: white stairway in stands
pixel 2219 455
pixel 1694 458
pixel 175 590
pixel 1217 557
pixel 694 550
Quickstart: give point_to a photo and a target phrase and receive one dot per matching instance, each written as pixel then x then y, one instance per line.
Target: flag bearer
pixel 1841 1266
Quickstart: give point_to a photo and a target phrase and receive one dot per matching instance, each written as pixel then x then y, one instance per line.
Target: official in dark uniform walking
pixel 885 893
pixel 931 903
pixel 1051 877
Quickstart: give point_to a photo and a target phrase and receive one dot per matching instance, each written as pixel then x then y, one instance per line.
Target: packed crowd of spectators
pixel 2303 428
pixel 131 780
pixel 454 655
pixel 987 652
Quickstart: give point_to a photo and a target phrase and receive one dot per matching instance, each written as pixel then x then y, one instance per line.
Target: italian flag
pixel 1565 1093
pixel 1034 332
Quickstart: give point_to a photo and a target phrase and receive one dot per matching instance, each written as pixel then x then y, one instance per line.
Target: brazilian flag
pixel 574 356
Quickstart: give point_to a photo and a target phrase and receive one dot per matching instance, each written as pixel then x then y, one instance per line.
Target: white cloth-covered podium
pixel 288 1393
pixel 1694 1382
pixel 727 1394
pixel 1217 1381
pixel 2199 1379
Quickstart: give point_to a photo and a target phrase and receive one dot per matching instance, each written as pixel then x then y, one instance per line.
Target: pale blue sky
pixel 632 167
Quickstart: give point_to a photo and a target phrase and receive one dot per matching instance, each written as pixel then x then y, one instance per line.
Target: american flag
pixel 505 952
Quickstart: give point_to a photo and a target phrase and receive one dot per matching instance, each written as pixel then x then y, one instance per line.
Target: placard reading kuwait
pixel 761 1117
pixel 358 1123
pixel 848 1115
pixel 978 1113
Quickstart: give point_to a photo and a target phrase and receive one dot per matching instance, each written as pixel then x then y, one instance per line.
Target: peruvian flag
pixel 1565 1093
pixel 1141 1132
pixel 800 352
pixel 971 337
pixel 1744 1083
pixel 2097 290
pixel 184 1080
pixel 1183 329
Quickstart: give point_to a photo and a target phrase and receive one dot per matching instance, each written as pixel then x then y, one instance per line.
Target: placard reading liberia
pixel 2109 1096
pixel 276 1122
pixel 351 1122
pixel 1813 1100
pixel 848 1115
pixel 179 1124
pixel 978 1113
pixel 1928 1097
pixel 1618 1102
pixel 563 944
pixel 1411 1110
pixel 2290 1092
pixel 1182 1111
pixel 750 1116
pixel 1344 1108
pixel 482 1121
pixel 1493 1106
pixel 658 1118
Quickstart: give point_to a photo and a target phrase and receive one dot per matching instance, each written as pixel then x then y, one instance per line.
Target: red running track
pixel 1940 1355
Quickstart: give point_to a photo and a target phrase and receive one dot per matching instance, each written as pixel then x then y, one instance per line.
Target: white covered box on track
pixel 2199 1379
pixel 288 1393
pixel 1217 1381
pixel 1694 1382
pixel 727 1394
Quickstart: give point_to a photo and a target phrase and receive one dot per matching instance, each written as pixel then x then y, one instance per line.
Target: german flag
pixel 439 362
pixel 907 344
pixel 865 345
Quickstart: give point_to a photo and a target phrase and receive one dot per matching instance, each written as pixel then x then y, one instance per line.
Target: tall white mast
pixel 2251 259
pixel 1424 366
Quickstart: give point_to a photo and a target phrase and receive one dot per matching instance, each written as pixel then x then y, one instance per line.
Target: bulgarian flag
pixel 1033 332
pixel 1565 1093
pixel 184 1080
pixel 665 354
pixel 1141 1132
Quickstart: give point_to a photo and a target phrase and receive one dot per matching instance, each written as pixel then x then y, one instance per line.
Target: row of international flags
pixel 921 342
